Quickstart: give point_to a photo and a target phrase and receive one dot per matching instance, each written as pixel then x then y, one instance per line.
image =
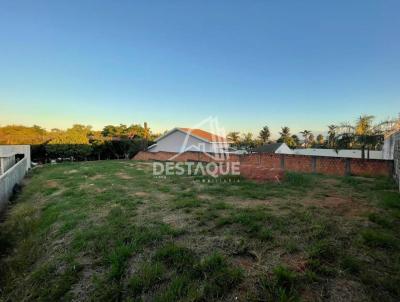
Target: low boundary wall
pixel 17 149
pixel 9 179
pixel 294 163
pixel 396 157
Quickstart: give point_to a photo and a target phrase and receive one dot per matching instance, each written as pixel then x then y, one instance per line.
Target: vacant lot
pixel 108 231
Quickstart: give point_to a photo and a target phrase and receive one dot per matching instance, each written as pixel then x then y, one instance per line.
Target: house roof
pixel 268 148
pixel 198 133
pixel 208 136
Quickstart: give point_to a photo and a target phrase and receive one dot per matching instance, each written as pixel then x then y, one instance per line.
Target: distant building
pixel 350 153
pixel 280 148
pixel 194 140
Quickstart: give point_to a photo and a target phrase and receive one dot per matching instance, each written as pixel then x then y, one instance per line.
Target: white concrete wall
pixel 9 179
pixel 7 150
pixel 176 142
pixel 340 153
pixel 6 163
pixel 396 158
pixel 388 145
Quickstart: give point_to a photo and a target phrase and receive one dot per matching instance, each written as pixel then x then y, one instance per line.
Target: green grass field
pixel 109 231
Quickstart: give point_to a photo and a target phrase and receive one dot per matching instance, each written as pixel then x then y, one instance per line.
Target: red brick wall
pixel 270 160
pixel 330 165
pixel 298 163
pixel 371 167
pixel 260 163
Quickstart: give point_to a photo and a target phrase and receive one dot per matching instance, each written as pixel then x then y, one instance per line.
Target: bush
pixel 74 151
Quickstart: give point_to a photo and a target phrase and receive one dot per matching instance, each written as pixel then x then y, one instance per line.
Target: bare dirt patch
pixel 96 177
pixel 346 290
pixel 71 171
pixel 52 184
pixel 296 262
pixel 85 286
pixel 204 197
pixel 141 194
pixel 339 205
pixel 247 263
pixel 246 203
pixel 176 220
pixel 91 187
pixel 123 175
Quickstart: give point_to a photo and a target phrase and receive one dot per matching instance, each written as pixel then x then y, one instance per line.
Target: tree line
pixel 364 134
pixel 80 141
pixel 122 141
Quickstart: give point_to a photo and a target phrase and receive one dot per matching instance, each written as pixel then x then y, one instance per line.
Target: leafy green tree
pixel 296 140
pixel 320 139
pixel 16 135
pixel 311 140
pixel 78 134
pixel 109 131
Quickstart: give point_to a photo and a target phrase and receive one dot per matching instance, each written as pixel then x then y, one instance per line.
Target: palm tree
pixel 364 125
pixel 363 133
pixel 146 131
pixel 248 141
pixel 331 135
pixel 285 132
pixel 265 134
pixel 146 135
pixel 286 138
pixel 306 134
pixel 234 137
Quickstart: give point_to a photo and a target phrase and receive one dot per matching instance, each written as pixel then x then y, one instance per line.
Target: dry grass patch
pixel 109 231
pixel 123 175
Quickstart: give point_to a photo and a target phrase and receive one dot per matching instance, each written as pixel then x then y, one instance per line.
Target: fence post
pixel 347 169
pixel 314 164
pixel 282 161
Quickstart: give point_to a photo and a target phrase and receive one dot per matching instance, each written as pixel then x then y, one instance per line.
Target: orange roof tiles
pixel 204 135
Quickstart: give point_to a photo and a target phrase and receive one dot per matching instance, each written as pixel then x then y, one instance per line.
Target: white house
pixel 187 139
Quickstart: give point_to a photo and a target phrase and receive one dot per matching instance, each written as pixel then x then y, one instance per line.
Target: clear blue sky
pixel 304 64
